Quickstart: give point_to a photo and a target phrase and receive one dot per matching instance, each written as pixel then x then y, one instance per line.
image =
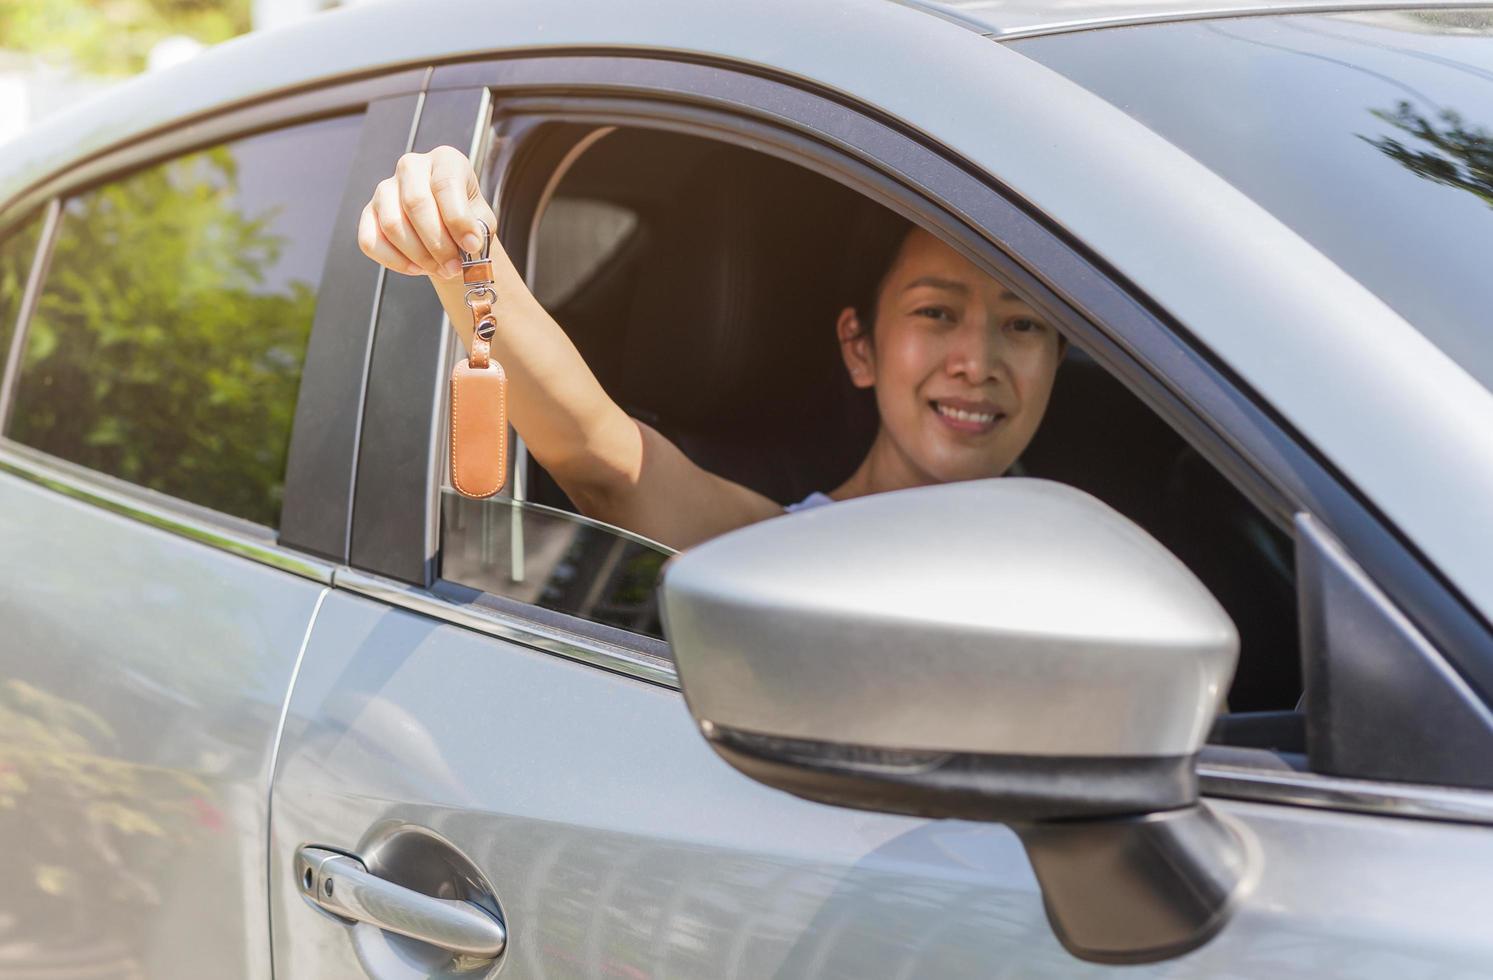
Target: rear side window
pixel 168 340
pixel 17 249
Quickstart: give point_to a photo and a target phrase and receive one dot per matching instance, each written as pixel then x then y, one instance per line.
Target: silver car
pixel 1202 690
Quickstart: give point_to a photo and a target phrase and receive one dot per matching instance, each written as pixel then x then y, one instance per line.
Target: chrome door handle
pixel 344 887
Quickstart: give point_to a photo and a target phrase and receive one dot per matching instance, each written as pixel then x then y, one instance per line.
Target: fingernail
pixel 452 268
pixel 471 242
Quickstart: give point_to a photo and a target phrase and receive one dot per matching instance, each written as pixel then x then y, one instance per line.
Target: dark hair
pixel 875 235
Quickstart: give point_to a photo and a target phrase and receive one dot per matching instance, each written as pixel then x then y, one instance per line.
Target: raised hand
pixel 416 218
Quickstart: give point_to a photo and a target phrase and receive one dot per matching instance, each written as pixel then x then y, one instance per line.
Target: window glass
pixel 553 559
pixel 1370 133
pixel 169 337
pixel 17 249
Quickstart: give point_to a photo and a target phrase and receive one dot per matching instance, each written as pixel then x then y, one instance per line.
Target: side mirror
pixel 1009 650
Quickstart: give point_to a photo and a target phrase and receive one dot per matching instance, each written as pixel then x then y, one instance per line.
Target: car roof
pixel 372 38
pixel 1010 19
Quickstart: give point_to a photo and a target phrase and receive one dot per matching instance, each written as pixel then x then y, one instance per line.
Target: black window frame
pixel 43 218
pixel 1151 354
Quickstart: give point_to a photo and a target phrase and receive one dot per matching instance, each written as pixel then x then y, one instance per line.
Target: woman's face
pixel 961 367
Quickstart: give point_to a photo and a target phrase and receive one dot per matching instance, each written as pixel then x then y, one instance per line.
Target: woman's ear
pixel 856 348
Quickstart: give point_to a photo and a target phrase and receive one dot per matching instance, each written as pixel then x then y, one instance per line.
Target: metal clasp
pixel 486 247
pixel 477 274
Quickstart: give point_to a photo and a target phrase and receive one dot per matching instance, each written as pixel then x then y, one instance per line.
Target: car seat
pixel 731 288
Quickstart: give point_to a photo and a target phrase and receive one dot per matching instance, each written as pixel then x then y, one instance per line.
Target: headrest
pixel 733 321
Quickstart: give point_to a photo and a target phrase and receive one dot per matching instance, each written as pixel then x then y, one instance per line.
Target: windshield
pixel 1369 133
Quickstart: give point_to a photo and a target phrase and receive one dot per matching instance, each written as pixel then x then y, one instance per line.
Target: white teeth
pixel 983 418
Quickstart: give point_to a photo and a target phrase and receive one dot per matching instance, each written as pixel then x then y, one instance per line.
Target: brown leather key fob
pixel 479 391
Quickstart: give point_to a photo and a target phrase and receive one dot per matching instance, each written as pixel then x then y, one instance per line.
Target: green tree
pixel 156 354
pixel 1448 150
pixel 113 37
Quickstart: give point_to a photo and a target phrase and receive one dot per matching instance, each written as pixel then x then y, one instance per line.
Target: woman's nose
pixel 977 351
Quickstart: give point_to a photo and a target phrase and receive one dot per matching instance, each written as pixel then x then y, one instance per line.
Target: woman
pixel 960 367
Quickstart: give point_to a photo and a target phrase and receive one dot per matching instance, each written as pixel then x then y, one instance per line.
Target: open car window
pixel 706 307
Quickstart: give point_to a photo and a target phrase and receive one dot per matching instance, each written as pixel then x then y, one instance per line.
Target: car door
pixel 531 763
pixel 158 312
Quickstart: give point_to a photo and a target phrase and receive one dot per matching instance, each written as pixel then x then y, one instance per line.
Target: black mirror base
pixel 1137 889
pixel 1133 868
pixel 963 785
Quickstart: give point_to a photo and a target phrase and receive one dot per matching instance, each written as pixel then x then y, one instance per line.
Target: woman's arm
pixel 615 468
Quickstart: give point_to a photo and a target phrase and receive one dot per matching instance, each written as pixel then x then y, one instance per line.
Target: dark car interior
pixel 707 309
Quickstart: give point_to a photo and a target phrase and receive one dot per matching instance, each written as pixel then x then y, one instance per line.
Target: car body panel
pixel 616 842
pixel 619 845
pixel 1004 20
pixel 143 682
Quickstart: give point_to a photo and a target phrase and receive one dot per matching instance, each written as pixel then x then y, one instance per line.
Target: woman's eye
pixel 933 313
pixel 1025 324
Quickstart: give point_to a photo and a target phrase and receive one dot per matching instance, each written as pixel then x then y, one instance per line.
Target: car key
pixel 479 389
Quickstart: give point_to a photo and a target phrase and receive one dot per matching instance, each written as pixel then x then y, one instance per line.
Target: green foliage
pixel 113 37
pixel 154 354
pixel 1447 150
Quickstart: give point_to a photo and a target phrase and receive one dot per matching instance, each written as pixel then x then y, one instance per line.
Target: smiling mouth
pixel 967 419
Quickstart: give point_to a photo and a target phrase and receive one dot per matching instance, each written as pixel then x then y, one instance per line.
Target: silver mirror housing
pixel 1009 650
pixel 1011 618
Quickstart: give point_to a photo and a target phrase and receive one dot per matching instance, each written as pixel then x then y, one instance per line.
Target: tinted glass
pixel 169 337
pixel 552 559
pixel 1370 134
pixel 17 249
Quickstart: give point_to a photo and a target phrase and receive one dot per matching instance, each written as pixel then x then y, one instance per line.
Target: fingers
pixel 416 218
pixel 395 225
pixel 417 199
pixel 377 247
pixel 458 198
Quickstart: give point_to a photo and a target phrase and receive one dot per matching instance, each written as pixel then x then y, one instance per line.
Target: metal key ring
pixel 466 257
pixel 477 290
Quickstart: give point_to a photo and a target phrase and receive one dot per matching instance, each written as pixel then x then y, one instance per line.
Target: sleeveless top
pixel 815 499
